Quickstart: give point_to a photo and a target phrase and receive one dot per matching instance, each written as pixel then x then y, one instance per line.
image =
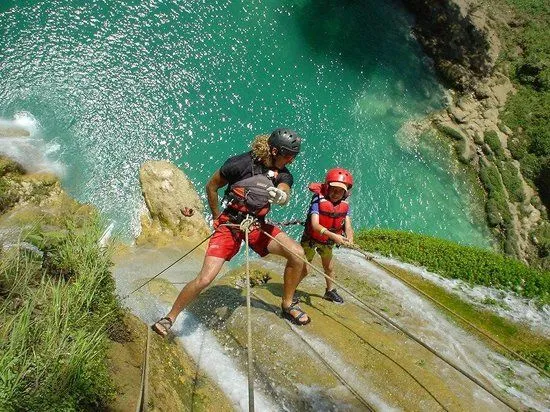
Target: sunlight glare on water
pixel 113 84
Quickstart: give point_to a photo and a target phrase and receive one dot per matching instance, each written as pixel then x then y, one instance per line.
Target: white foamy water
pixel 504 303
pixel 31 152
pixel 198 341
pixel 208 354
pixel 432 326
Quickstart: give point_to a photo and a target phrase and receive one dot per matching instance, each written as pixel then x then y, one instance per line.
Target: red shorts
pixel 226 242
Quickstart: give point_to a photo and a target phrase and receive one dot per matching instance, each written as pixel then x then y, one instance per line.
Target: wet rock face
pixel 173 203
pixel 456 35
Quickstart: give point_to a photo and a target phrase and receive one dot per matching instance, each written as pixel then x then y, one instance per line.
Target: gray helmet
pixel 286 141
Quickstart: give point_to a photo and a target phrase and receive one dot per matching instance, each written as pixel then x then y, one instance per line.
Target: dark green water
pixel 112 84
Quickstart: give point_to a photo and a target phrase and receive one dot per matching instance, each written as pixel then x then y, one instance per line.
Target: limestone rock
pixel 167 190
pixel 482 91
pixel 13 131
pixel 458 114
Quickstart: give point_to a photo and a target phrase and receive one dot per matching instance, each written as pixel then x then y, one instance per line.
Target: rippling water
pixel 112 84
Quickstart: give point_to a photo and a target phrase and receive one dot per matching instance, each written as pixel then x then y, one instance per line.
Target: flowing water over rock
pixel 346 359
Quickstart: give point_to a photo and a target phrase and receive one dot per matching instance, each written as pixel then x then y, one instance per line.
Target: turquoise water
pixel 111 84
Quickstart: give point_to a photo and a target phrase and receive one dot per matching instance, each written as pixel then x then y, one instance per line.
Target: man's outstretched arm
pixel 214 184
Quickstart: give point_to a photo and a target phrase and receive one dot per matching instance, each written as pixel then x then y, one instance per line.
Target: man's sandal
pixel 295 319
pixel 162 326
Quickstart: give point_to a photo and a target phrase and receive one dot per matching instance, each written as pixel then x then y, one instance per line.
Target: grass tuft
pixel 55 318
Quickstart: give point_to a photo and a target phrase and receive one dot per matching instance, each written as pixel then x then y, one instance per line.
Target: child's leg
pixel 328 264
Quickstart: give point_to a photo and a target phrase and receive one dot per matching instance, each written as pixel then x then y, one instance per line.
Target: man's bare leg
pixel 294 253
pixel 211 266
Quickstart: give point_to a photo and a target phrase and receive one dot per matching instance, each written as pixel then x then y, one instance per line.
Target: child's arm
pixel 349 229
pixel 338 239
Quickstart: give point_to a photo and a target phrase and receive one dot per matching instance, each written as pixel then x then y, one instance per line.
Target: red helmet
pixel 339 175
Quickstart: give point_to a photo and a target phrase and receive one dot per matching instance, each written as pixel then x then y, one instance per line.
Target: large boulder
pixel 175 209
pixel 458 36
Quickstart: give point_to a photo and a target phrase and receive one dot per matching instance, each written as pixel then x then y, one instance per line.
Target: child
pixel 328 223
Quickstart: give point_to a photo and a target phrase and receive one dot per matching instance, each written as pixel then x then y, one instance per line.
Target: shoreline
pixel 472 123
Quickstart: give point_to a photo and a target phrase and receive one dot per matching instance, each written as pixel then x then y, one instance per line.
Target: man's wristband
pixel 323 230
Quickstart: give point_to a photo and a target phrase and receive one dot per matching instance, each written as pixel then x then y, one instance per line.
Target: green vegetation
pixel 474 265
pixel 542 239
pixel 497 206
pixel 8 197
pixel 492 140
pixel 497 210
pixel 450 131
pixel 527 112
pixel 511 180
pixel 55 305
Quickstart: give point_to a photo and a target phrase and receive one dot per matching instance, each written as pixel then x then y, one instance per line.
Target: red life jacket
pixel 331 215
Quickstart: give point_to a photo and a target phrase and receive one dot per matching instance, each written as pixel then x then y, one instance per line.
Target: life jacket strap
pixel 332 214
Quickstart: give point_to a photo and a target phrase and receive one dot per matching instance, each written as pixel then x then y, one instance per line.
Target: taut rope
pixel 169 266
pixel 466 321
pixel 410 335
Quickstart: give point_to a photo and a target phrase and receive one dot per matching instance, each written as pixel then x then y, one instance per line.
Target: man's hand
pixel 277 196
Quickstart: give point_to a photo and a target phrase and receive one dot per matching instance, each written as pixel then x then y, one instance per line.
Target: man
pixel 254 181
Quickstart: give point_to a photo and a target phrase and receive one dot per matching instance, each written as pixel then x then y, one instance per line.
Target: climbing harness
pixel 169 266
pixel 249 195
pixel 466 321
pixel 407 333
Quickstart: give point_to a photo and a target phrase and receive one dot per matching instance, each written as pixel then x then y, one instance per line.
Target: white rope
pixel 246 227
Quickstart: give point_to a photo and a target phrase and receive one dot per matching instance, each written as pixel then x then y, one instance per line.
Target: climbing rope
pixel 143 400
pixel 466 321
pixel 357 395
pixel 246 226
pixel 286 222
pixel 410 335
pixel 169 266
